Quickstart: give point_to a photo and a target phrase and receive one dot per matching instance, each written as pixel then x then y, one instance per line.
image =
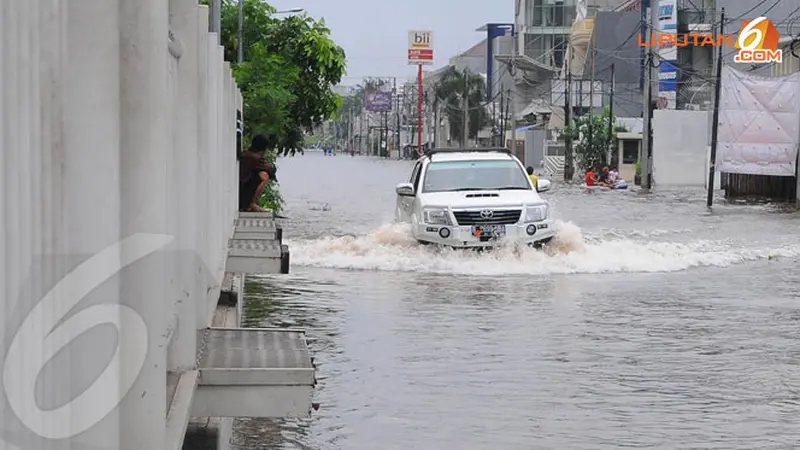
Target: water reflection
pixel 548 352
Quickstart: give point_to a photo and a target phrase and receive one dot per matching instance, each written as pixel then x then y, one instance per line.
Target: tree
pixel 591 141
pixel 289 69
pixel 356 102
pixel 452 88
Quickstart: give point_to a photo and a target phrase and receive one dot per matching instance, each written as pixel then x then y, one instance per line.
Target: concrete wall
pixel 680 147
pixel 118 180
pixel 615 42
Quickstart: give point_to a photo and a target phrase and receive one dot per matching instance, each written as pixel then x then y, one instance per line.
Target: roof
pixel 468 155
pixel 478 49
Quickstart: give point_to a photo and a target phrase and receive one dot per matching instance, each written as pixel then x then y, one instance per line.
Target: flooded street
pixel 651 324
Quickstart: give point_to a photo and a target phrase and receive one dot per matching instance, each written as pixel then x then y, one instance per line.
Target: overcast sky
pixel 374 33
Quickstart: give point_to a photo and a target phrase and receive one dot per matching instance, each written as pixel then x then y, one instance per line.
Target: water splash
pixel 392 248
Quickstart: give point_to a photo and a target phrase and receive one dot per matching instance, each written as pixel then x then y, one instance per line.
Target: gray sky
pixel 376 37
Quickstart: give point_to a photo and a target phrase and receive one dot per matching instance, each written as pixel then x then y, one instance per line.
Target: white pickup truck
pixel 474 198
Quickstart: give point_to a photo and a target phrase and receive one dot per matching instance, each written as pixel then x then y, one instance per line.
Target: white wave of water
pixel 391 248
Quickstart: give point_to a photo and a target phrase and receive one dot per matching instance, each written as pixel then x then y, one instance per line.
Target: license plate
pixel 489 231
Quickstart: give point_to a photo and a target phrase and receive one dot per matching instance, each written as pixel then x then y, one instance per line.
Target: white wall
pixel 680 147
pixel 107 136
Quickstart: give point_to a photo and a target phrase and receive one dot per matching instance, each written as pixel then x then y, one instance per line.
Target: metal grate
pixel 498 217
pixel 255 223
pixel 243 348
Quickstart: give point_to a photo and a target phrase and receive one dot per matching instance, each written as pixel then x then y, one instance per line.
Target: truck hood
pixel 481 199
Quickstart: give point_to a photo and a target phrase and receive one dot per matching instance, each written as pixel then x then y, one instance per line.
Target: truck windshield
pixel 481 175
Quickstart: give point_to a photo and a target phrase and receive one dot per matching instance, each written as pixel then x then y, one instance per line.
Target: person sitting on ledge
pixel 255 173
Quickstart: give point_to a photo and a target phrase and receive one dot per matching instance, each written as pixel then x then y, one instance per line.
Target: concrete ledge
pixel 254 256
pixel 274 402
pixel 256 215
pixel 254 372
pixel 227 294
pixel 253 224
pixel 255 228
pixel 180 408
pixel 264 235
pixel 253 248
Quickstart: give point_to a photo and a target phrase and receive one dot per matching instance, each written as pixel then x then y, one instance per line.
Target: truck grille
pixel 499 217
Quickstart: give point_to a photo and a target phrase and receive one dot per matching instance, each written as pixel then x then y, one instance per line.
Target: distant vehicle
pixel 474 198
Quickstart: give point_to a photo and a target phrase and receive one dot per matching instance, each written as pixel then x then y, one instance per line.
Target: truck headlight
pixel 536 213
pixel 436 216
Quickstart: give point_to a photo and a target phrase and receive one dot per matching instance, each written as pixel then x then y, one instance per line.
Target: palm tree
pixel 353 104
pixel 450 92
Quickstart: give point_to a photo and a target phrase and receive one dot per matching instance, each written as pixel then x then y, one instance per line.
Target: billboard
pixel 668 54
pixel 420 47
pixel 378 101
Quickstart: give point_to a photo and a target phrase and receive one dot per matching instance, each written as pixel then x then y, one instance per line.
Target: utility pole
pixel 241 31
pixel 502 130
pixel 420 88
pixel 435 121
pixel 651 77
pixel 512 93
pixel 610 137
pixel 495 128
pixel 569 170
pixel 465 131
pixel 712 163
pixel 397 118
pixel 349 132
pixel 361 130
pixel 591 101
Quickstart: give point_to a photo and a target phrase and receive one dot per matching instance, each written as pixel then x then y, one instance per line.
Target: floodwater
pixel 653 324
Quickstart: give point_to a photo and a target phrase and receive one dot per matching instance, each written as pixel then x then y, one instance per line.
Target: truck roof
pixel 469 154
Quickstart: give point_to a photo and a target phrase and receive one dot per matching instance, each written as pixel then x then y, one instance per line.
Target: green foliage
pixel 591 140
pixel 271 199
pixel 266 99
pixel 289 68
pixel 452 88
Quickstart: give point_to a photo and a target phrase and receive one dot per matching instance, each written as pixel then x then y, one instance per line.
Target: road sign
pixel 420 47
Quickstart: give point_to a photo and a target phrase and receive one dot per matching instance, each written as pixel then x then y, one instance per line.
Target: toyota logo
pixel 487 214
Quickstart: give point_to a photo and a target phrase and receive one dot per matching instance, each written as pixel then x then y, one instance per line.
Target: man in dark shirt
pixel 255 173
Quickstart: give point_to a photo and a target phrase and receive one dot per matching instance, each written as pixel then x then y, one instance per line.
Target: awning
pixel 537 106
pixel 526 63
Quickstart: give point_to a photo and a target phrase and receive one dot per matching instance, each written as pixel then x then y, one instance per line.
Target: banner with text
pixel 378 101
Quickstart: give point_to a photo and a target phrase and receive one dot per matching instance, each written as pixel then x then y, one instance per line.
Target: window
pixel 630 151
pixel 559 49
pixel 534 13
pixel 415 175
pixel 446 176
pixel 546 48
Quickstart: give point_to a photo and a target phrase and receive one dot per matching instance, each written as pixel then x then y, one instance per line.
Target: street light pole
pixel 241 26
pixel 240 43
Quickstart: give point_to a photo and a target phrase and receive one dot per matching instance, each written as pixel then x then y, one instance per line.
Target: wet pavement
pixel 651 324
